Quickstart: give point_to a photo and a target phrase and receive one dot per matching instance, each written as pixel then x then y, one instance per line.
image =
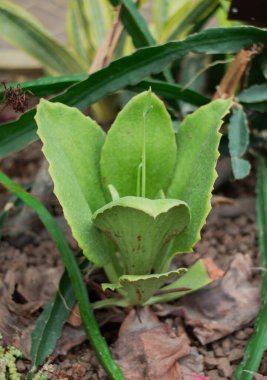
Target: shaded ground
pixel 230 231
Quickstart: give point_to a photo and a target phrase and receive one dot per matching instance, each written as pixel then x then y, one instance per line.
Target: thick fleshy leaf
pixel 138 289
pixel 22 30
pixel 138 131
pixel 130 71
pixel 195 278
pixel 197 152
pixel 142 229
pixel 238 134
pixel 72 145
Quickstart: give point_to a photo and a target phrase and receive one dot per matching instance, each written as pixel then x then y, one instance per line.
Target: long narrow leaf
pixel 160 14
pixel 52 85
pixel 49 325
pixel 89 322
pixel 77 36
pixel 98 18
pixel 22 30
pixel 136 25
pixel 258 343
pixel 47 85
pixel 184 20
pixel 131 70
pixel 171 91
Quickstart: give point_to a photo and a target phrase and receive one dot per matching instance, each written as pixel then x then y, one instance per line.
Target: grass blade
pixel 258 343
pixel 21 29
pixel 186 18
pixel 89 322
pixel 135 25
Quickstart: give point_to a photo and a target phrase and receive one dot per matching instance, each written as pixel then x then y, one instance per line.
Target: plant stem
pixel 258 343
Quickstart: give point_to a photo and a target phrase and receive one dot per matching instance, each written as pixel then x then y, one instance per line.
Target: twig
pixel 108 46
pixel 235 72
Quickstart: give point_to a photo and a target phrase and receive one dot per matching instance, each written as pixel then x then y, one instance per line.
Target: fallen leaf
pixel 154 351
pixel 194 362
pixel 224 306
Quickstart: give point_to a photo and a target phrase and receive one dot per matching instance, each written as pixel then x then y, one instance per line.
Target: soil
pixel 230 230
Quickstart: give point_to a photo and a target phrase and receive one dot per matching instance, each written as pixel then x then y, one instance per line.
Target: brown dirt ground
pixel 223 237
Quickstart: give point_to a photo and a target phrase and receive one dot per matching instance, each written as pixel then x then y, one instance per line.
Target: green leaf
pixel 126 139
pixel 257 345
pixel 142 229
pixel 19 28
pixel 77 35
pixel 185 18
pixel 72 146
pixel 254 94
pixel 197 145
pixel 130 71
pixel 49 325
pixel 195 278
pixel 176 14
pixel 171 91
pixel 136 25
pixel 238 134
pixel 241 167
pixel 69 261
pixel 51 85
pixel 15 135
pixel 88 22
pixel 139 289
pixel 160 14
pixel 47 85
pixel 98 18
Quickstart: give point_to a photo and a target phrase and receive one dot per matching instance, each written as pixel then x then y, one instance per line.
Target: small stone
pixel 226 345
pixel 210 362
pixel 21 366
pixel 236 354
pixel 248 331
pixel 219 352
pixel 224 367
pixel 240 335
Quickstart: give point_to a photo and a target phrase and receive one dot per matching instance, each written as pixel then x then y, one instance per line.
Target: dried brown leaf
pixel 224 306
pixel 147 349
